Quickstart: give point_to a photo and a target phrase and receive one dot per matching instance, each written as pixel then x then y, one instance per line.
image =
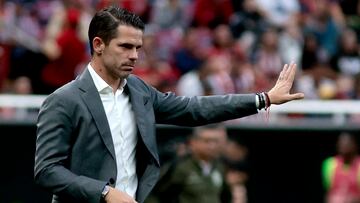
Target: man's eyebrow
pixel 125 44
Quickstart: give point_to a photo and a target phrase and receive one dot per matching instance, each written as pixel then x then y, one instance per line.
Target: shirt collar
pixel 100 84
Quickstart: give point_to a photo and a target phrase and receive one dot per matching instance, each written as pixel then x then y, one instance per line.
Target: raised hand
pixel 280 93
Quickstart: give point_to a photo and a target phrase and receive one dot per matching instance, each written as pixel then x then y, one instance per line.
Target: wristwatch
pixel 105 191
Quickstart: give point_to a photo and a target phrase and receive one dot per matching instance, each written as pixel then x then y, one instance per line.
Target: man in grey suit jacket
pixel 96 135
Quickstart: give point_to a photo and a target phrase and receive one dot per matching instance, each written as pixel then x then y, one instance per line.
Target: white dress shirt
pixel 122 125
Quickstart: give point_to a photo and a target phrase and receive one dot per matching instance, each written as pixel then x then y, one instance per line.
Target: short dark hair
pixel 198 130
pixel 105 22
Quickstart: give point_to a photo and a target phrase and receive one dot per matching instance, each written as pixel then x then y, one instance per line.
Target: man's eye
pixel 126 46
pixel 129 46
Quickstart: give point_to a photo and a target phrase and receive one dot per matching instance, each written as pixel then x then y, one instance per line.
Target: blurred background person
pixel 64 49
pixel 20 86
pixel 200 176
pixel 341 172
pixel 190 54
pixel 351 12
pixel 357 86
pixel 154 70
pixel 346 62
pixel 267 56
pixel 291 43
pixel 323 23
pixel 171 14
pixel 249 19
pixel 210 13
pixel 279 12
pixel 237 169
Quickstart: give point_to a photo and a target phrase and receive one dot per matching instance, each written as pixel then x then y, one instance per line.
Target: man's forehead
pixel 123 28
pixel 134 37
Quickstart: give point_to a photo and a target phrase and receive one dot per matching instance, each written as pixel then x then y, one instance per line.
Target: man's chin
pixel 125 75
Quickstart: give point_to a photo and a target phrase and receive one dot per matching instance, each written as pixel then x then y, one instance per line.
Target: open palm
pixel 280 93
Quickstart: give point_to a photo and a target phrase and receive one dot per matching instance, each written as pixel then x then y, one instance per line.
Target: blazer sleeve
pixel 53 146
pixel 200 110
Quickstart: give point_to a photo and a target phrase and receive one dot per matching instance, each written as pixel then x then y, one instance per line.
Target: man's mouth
pixel 128 67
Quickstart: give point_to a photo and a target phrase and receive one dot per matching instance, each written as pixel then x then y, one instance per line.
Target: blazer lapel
pixel 92 99
pixel 146 129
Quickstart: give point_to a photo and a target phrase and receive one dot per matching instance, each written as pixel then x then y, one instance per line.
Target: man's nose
pixel 134 54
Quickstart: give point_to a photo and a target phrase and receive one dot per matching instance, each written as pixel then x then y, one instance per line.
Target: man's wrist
pixel 105 191
pixel 262 100
pixel 267 100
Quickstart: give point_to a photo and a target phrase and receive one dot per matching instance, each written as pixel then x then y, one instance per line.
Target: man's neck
pixel 114 83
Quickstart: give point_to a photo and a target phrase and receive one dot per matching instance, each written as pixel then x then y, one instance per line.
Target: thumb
pixel 297 96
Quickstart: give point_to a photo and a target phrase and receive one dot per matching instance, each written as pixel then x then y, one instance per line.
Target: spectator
pixel 356 118
pixel 213 77
pixel 347 60
pixel 4 65
pixel 351 10
pixel 190 55
pixel 195 83
pixel 324 27
pixel 145 68
pixel 279 12
pixel 200 177
pixel 65 53
pixel 341 172
pixel 219 79
pixel 248 19
pixel 210 13
pixel 267 57
pixel 141 8
pixel 223 41
pixel 235 159
pixel 20 86
pixel 318 79
pixel 244 77
pixel 291 43
pixel 310 56
pixel 357 87
pixel 171 14
pixel 156 72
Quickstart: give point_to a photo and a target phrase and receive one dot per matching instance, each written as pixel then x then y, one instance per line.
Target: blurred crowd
pixel 191 47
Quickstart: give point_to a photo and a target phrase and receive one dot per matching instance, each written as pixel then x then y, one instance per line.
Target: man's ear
pixel 98 45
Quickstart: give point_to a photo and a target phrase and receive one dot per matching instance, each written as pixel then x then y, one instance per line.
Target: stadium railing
pixel 302 114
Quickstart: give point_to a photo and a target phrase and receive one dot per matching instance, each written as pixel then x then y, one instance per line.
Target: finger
pixel 281 76
pixel 288 71
pixel 292 73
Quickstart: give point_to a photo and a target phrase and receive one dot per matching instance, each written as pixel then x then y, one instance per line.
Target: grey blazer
pixel 75 156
